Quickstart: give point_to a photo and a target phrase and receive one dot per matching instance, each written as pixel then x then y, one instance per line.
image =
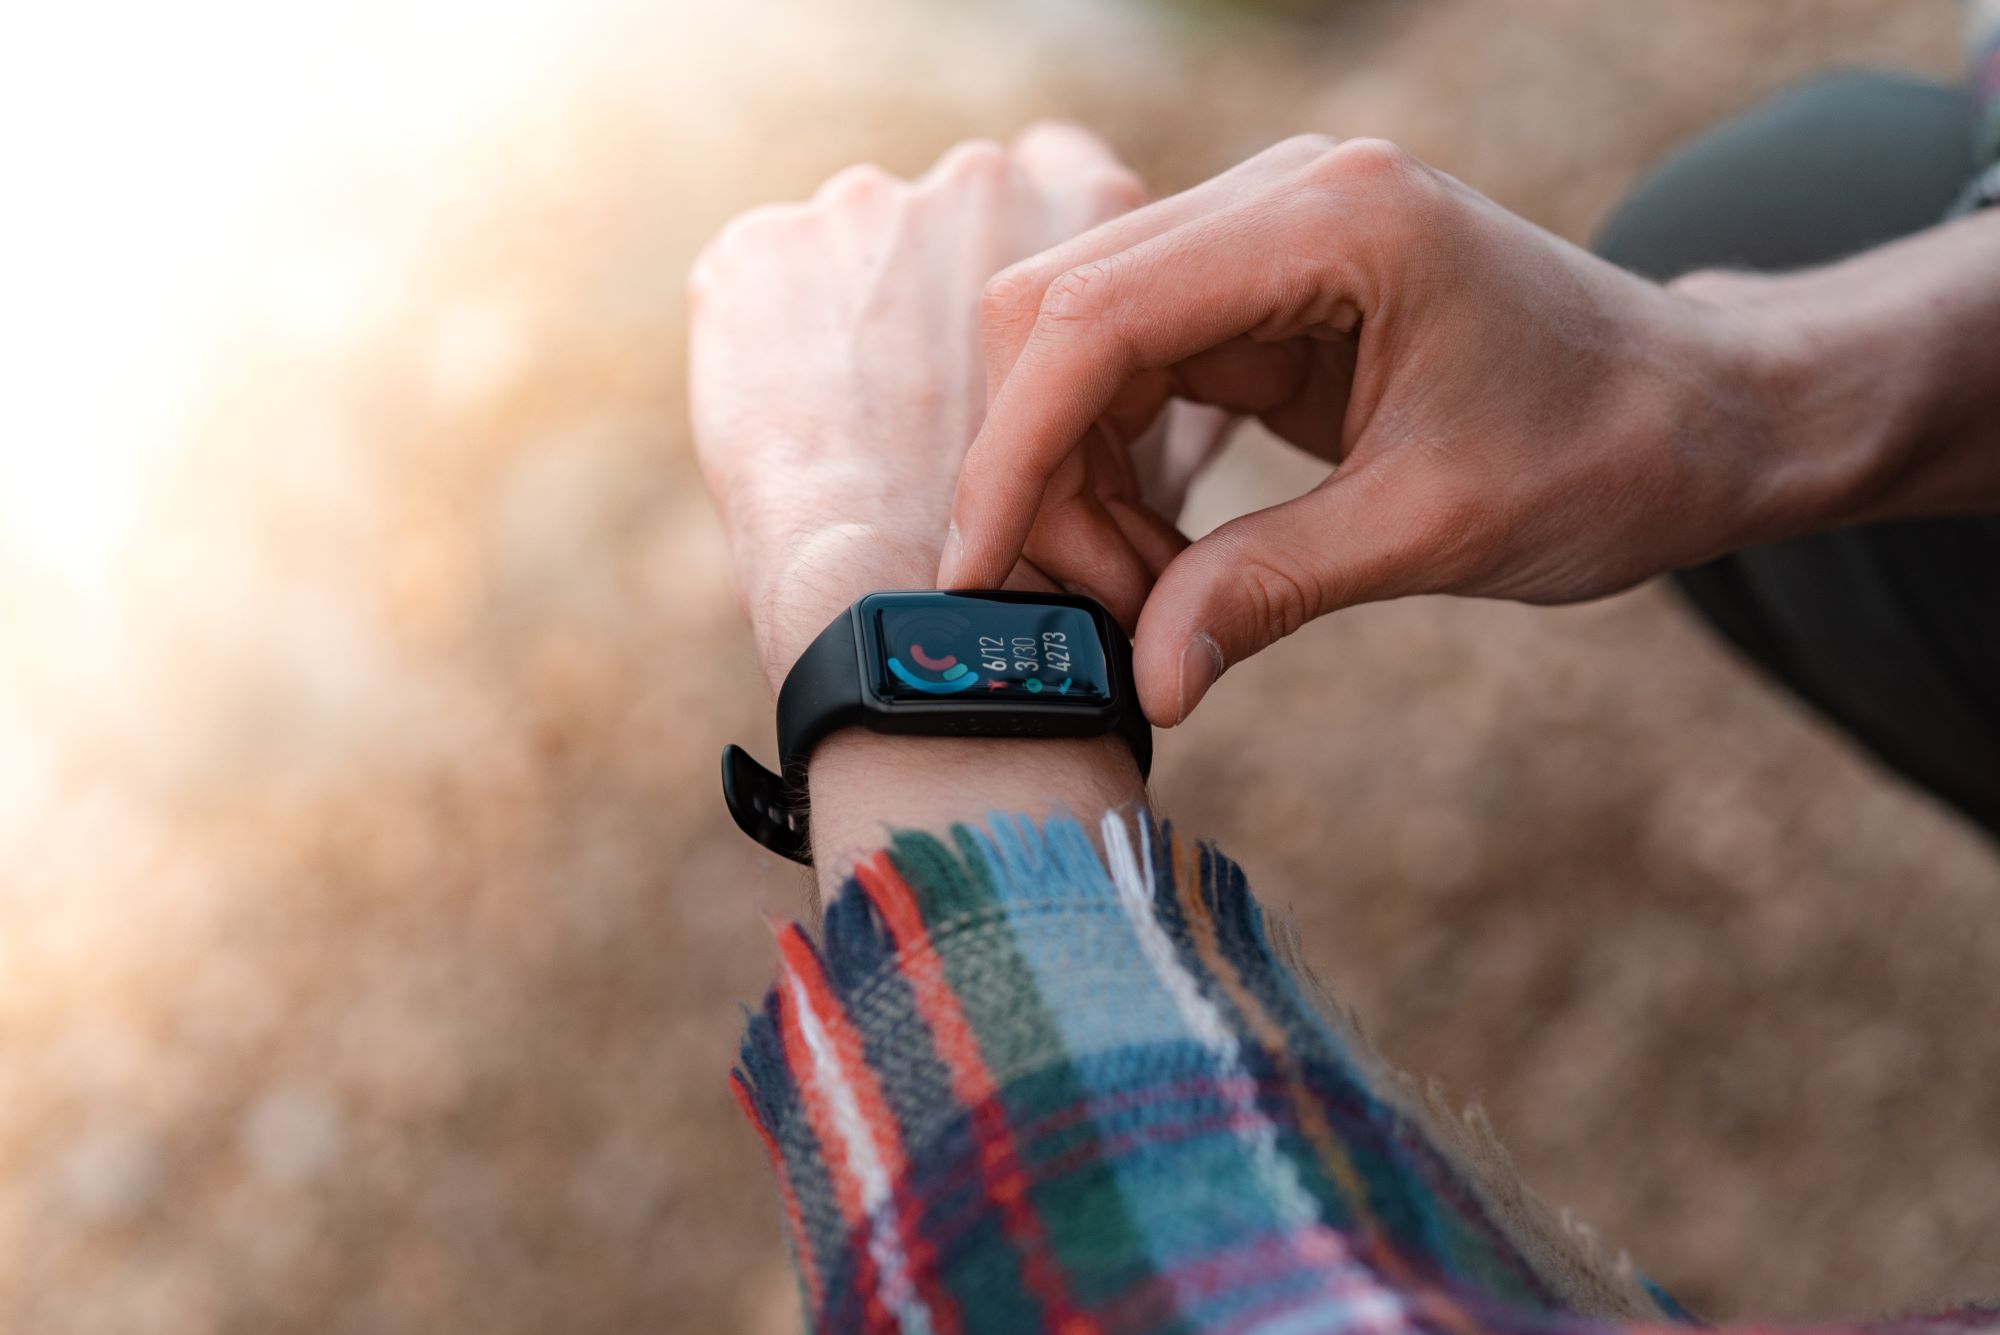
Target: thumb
pixel 1258 578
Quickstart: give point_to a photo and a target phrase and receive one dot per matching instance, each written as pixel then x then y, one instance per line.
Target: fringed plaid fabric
pixel 1020 1086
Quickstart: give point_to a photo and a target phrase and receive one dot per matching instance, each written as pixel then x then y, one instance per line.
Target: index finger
pixel 1158 303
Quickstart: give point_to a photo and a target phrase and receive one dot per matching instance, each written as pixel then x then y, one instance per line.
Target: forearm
pixel 1882 378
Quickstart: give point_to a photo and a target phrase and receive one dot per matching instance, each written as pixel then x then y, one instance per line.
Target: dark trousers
pixel 1892 630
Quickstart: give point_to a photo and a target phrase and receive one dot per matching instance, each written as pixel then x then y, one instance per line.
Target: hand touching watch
pixel 1510 416
pixel 837 374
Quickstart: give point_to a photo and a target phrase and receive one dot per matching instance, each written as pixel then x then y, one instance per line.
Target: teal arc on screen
pixel 957 677
pixel 975 650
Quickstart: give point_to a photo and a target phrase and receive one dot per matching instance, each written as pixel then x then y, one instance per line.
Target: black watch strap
pixel 821 695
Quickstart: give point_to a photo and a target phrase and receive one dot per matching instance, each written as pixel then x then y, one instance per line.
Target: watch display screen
pixel 969 649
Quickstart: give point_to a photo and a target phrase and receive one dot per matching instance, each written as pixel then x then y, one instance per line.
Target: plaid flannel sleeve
pixel 1019 1085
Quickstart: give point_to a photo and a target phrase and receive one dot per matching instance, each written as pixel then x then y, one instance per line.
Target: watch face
pixel 974 649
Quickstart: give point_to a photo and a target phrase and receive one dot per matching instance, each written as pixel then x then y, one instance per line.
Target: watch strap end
pixel 756 798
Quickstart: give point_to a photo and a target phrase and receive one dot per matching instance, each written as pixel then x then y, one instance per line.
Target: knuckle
pixel 1379 188
pixel 1301 148
pixel 864 182
pixel 1011 295
pixel 1050 130
pixel 1377 159
pixel 1373 165
pixel 1042 127
pixel 974 159
pixel 1448 531
pixel 1118 191
pixel 1276 600
pixel 757 227
pixel 748 234
pixel 1078 295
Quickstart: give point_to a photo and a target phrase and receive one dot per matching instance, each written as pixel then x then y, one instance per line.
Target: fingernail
pixel 1201 664
pixel 954 552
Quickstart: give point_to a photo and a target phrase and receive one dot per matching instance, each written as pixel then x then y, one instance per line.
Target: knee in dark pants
pixel 1841 162
pixel 1878 628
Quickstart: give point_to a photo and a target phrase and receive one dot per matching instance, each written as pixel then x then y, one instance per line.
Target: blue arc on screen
pixel 963 679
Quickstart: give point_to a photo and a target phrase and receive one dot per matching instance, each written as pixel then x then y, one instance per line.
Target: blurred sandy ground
pixel 371 936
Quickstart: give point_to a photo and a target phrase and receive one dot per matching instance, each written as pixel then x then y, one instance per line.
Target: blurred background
pixel 371 935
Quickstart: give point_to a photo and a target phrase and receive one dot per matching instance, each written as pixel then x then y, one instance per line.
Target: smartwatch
pixel 963 664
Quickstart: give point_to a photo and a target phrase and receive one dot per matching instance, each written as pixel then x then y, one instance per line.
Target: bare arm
pixel 1888 362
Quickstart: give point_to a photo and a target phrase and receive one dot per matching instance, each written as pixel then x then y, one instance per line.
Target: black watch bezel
pixel 964 716
pixel 834 686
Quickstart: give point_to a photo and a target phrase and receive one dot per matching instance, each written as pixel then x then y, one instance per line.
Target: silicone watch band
pixel 822 695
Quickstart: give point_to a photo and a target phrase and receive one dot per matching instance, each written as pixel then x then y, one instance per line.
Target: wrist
pixel 819 576
pixel 827 571
pixel 863 785
pixel 1872 378
pixel 1813 431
